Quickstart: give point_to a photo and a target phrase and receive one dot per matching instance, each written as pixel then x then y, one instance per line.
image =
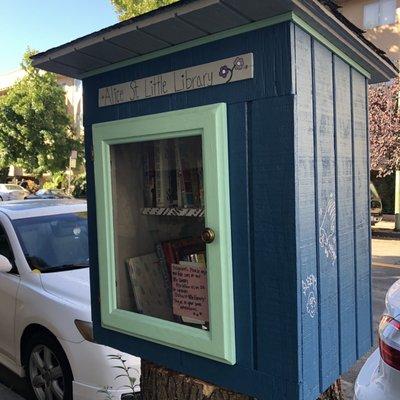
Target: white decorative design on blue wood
pixel 327 229
pixel 310 292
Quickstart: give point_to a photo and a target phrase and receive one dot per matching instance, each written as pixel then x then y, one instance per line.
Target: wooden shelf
pixel 174 211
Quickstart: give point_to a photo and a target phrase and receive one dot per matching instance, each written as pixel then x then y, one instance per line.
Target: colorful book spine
pixel 186 174
pixel 187 249
pixel 168 254
pixel 149 175
pixel 162 170
pixel 200 180
pixel 179 176
pixel 164 269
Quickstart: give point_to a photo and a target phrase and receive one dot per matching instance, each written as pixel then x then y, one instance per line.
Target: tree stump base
pixel 333 393
pixel 159 383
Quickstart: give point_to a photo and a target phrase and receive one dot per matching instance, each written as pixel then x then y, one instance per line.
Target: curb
pixel 385 233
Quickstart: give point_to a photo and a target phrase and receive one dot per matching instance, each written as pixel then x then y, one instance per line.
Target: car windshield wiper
pixel 65 267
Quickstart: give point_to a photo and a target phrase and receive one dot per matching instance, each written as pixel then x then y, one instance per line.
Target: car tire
pixel 47 368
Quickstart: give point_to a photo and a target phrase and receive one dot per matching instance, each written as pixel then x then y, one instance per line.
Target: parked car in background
pixel 46 330
pixel 49 194
pixel 11 191
pixel 376 205
pixel 379 378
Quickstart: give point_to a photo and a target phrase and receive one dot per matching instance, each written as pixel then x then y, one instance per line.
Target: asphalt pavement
pixel 7 394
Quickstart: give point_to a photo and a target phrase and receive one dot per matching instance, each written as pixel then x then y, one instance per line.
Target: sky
pixel 43 24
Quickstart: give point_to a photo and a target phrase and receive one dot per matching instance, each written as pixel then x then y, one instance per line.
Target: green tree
pixel 131 8
pixel 35 130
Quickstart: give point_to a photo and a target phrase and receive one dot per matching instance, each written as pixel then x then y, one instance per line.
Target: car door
pixel 9 283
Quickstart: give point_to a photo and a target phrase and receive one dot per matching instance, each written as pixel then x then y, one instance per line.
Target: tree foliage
pixel 35 130
pixel 384 126
pixel 131 8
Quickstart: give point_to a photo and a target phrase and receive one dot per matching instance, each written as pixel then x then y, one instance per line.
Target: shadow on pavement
pixel 14 382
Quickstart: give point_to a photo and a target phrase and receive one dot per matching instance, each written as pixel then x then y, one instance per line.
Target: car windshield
pixel 13 187
pixel 54 243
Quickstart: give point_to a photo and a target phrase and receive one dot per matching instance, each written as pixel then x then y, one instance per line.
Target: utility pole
pixel 72 164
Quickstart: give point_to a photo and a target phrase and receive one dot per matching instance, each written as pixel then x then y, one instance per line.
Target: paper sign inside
pixel 189 290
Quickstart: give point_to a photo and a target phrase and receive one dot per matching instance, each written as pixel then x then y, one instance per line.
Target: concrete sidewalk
pixel 385 228
pixel 7 394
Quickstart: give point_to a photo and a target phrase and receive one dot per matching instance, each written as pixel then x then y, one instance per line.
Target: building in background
pixel 381 21
pixel 73 102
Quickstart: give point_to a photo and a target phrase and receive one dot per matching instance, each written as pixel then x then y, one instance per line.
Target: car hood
pixel 72 286
pixel 393 300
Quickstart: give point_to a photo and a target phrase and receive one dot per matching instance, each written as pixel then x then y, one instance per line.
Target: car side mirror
pixel 5 265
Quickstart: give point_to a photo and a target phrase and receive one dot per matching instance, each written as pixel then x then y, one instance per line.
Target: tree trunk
pixel 4 173
pixel 159 383
pixel 333 393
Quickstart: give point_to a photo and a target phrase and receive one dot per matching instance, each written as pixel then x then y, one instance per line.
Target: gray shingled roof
pixel 188 20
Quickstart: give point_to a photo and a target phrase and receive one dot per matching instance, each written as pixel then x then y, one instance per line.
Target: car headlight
pixel 85 328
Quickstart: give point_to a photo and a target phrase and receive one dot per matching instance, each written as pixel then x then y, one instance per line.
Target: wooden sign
pixel 189 290
pixel 211 74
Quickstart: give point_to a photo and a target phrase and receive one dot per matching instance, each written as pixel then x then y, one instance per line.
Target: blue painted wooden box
pixel 299 196
pixel 299 183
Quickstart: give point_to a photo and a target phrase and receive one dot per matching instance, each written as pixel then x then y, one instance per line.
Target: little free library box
pixel 228 178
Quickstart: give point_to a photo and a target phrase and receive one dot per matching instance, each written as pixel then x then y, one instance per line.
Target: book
pixel 187 249
pixel 149 286
pixel 184 173
pixel 200 179
pixel 162 173
pixel 164 269
pixel 149 175
pixel 168 254
pixel 178 172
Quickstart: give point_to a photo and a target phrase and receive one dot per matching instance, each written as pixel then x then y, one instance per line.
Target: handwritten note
pixel 189 290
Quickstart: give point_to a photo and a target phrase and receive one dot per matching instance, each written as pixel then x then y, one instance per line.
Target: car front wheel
pixel 48 370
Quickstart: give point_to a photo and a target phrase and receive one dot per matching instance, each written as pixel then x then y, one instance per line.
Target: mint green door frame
pixel 211 123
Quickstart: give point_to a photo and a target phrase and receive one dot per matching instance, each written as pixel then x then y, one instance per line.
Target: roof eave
pixel 311 12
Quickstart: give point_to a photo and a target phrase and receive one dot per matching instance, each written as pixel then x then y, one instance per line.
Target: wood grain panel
pixel 326 214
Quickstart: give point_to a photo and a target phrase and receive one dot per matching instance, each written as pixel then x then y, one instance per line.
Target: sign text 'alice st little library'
pixel 220 72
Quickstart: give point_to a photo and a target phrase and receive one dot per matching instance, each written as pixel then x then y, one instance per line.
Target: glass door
pixel 163 223
pixel 159 232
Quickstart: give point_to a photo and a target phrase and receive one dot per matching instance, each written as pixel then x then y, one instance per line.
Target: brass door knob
pixel 208 235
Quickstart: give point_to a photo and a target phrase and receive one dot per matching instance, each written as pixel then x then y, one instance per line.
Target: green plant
pixel 3 174
pixel 80 186
pixel 128 8
pixel 125 373
pixel 58 180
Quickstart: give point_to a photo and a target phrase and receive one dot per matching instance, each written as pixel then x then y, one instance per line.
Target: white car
pixel 10 191
pixel 379 378
pixel 45 313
